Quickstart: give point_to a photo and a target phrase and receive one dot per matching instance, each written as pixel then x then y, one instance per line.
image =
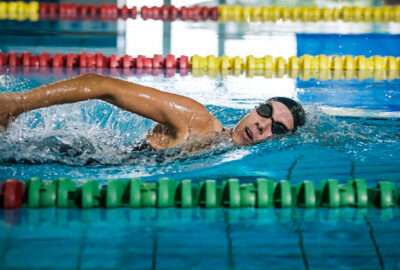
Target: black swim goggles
pixel 266 110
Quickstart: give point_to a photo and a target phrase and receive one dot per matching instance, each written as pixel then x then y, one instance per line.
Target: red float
pixel 204 13
pixel 83 10
pixel 184 13
pixel 101 61
pixel 165 13
pixel 82 60
pixel 148 63
pixel 3 59
pixel 145 12
pixel 127 61
pixel 62 8
pixel 115 61
pixel 90 60
pixel 133 12
pixel 170 61
pixel 183 62
pixel 140 61
pixel 44 59
pixel 93 11
pixel 155 13
pixel 174 13
pixel 14 59
pixel 214 13
pixel 158 61
pixel 43 8
pixel 34 61
pixel 124 12
pixel 26 59
pixel 69 10
pixel 72 60
pixel 13 192
pixel 53 8
pixel 58 60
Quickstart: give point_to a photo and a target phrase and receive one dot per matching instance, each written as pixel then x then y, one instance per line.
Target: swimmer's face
pixel 254 127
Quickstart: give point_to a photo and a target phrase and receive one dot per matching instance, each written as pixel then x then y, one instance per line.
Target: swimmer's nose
pixel 262 126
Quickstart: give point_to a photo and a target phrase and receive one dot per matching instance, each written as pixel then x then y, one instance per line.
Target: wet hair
pixel 297 111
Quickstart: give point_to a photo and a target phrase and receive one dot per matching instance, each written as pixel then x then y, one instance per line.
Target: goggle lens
pixel 266 110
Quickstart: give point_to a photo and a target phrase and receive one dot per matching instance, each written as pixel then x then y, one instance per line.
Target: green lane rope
pixel 263 193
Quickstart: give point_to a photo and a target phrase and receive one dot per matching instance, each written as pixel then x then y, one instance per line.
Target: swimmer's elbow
pixel 98 83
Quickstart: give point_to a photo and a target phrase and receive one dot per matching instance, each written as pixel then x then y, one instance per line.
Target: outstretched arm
pixel 175 111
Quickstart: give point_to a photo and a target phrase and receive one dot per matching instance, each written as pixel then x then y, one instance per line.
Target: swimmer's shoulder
pixel 162 136
pixel 206 123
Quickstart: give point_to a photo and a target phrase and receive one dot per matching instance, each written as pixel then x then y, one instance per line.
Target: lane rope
pixel 19 10
pixel 210 62
pixel 133 193
pixel 309 13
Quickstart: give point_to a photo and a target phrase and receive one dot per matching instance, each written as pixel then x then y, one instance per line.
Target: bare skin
pixel 179 118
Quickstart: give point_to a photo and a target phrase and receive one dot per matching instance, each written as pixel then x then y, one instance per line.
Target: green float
pixel 166 193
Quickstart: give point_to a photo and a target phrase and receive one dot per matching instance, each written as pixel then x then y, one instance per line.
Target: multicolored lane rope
pixel 268 62
pixel 34 11
pixel 133 193
pixel 305 67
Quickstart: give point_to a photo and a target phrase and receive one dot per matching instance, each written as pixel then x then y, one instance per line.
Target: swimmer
pixel 179 118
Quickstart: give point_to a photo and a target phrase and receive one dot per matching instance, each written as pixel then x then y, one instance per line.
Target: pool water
pixel 344 138
pixel 201 239
pixel 352 132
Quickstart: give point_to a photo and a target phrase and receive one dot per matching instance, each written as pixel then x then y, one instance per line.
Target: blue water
pixel 355 136
pixel 200 239
pixel 348 44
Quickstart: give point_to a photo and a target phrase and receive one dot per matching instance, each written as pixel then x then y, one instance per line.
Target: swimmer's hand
pixel 7 109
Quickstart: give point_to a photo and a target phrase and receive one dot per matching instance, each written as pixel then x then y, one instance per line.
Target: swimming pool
pixel 352 132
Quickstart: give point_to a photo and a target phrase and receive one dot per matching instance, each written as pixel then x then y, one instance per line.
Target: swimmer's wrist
pixel 16 104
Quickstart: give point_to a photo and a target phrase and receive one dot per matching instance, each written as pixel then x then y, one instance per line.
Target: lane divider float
pixel 19 10
pixel 308 13
pixel 268 62
pixel 133 193
pixel 304 62
pixel 96 60
pixel 34 11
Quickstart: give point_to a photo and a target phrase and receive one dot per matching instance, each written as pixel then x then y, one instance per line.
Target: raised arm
pixel 175 111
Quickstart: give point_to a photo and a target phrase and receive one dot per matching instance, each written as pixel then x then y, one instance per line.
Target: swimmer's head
pixel 277 116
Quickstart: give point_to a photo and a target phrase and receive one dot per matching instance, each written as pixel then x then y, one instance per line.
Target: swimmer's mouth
pixel 249 133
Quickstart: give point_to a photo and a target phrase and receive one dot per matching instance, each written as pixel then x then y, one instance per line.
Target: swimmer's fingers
pixel 6 121
pixel 7 109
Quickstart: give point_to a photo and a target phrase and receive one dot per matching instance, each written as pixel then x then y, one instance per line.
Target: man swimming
pixel 179 118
